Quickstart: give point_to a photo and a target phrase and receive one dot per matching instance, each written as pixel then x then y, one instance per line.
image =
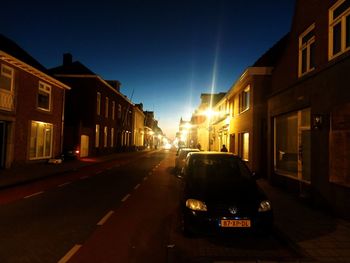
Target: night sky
pixel 167 52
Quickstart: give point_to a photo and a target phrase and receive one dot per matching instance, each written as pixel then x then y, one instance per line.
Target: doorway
pixel 84 146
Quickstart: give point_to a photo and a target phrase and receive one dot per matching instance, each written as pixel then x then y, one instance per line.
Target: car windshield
pixel 218 170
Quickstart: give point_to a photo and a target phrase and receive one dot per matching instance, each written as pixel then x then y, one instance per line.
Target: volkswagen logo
pixel 233 210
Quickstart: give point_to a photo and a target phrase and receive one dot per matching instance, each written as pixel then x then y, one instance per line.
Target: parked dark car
pixel 220 194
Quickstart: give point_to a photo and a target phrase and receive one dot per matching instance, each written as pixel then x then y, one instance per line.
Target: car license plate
pixel 235 223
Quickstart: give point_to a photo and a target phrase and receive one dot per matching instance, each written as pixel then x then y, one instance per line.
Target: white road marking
pixel 70 254
pixel 64 184
pixel 125 197
pixel 37 193
pixel 105 218
pixel 137 186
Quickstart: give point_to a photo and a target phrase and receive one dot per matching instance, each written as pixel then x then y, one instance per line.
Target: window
pixel 243 142
pixel 339 28
pixel 113 110
pixel 40 140
pixel 112 137
pixel 6 79
pixel 106 107
pixel 44 97
pixel 292 144
pixel 244 100
pixel 105 136
pixel 119 111
pixel 98 103
pixel 97 135
pixel 307 51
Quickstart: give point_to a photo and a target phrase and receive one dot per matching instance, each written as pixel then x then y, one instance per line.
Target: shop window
pixel 40 140
pixel 292 145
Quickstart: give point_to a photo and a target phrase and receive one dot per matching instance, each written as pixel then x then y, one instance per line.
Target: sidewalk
pixel 33 172
pixel 321 237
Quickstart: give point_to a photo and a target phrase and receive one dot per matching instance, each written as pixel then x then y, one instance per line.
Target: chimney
pixel 115 84
pixel 67 59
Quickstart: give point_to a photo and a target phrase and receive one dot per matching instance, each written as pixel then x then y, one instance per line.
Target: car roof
pixel 212 154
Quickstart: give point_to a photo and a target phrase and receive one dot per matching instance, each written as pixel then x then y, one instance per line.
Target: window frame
pixel 98 103
pixel 44 156
pixel 341 19
pixel 244 99
pixel 106 107
pixel 46 88
pixel 105 136
pixel 10 76
pixel 306 46
pixel 113 110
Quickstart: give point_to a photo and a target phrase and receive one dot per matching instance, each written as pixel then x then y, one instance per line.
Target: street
pixel 123 213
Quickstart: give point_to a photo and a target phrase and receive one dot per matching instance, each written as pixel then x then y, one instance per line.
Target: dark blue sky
pixel 163 50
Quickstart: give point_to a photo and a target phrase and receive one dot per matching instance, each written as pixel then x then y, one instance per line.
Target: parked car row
pixel 220 194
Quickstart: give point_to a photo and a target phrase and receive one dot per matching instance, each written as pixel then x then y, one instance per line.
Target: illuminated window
pixel 243 143
pixel 113 110
pixel 307 51
pixel 40 140
pixel 44 97
pixel 244 100
pixel 105 136
pixel 98 103
pixel 6 79
pixel 97 135
pixel 339 28
pixel 112 137
pixel 106 107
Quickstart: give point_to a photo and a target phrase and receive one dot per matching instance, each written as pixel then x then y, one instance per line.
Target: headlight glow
pixel 196 205
pixel 265 206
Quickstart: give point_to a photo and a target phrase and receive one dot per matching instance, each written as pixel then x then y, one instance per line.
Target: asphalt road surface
pixel 120 213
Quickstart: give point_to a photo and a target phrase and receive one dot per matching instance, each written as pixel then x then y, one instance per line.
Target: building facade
pixel 98 117
pixel 309 106
pixel 31 108
pixel 138 126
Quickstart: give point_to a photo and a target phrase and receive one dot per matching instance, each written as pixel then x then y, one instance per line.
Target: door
pixel 84 146
pixel 2 144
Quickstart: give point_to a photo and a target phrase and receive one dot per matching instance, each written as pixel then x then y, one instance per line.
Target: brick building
pixel 98 116
pixel 309 106
pixel 31 108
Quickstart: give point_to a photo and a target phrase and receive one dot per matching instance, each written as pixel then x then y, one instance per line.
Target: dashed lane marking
pixel 125 197
pixel 64 184
pixel 137 186
pixel 70 254
pixel 105 218
pixel 35 194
